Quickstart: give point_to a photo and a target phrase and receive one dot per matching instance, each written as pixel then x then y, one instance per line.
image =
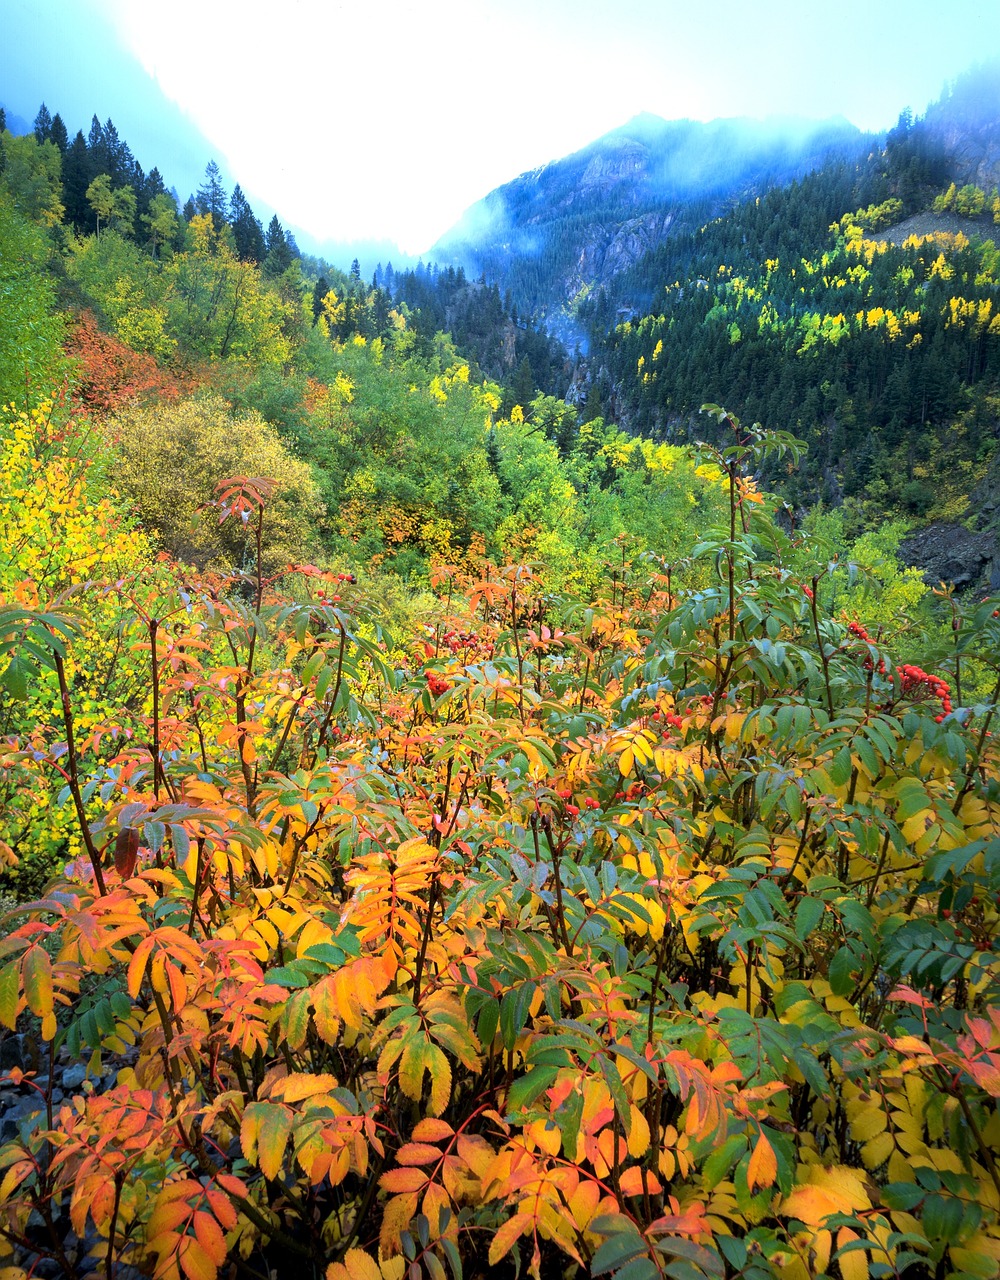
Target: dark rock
pixel 953 554
pixel 12 1053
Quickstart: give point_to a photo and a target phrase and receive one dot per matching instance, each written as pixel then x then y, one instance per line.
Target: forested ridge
pixel 443 832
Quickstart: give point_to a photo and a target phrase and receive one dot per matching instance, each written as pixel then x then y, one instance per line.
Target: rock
pixel 12 1053
pixel 74 1076
pixel 953 554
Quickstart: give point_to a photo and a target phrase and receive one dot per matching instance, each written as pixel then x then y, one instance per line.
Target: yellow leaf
pixel 869 1123
pixel 853 1265
pixel 195 1262
pixel 638 1138
pixel 763 1167
pixel 357 1265
pixel 626 762
pixel 301 1085
pixel 877 1151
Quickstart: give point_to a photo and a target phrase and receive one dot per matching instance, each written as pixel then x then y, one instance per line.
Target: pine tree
pixel 43 124
pixel 151 186
pixel 248 234
pixel 58 133
pixel 279 253
pixel 77 175
pixel 211 197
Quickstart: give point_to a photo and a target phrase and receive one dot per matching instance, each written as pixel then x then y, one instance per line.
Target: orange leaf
pixel 210 1237
pixel 417 1153
pixel 631 1182
pixel 397 1180
pixel 507 1236
pixel 137 965
pixel 195 1262
pixel 432 1130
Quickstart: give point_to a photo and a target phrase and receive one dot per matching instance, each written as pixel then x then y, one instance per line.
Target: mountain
pixel 15 123
pixel 553 234
pixel 965 122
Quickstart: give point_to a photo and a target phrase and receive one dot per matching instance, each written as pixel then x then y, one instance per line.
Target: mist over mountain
pixel 552 234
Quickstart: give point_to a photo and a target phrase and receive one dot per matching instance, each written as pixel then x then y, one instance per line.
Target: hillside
pixel 553 234
pixel 445 834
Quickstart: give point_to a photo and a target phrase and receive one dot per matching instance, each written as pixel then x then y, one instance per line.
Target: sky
pixel 382 120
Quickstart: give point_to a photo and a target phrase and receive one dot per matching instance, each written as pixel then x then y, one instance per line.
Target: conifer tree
pixel 279 253
pixel 77 175
pixel 211 197
pixel 43 124
pixel 248 234
pixel 58 133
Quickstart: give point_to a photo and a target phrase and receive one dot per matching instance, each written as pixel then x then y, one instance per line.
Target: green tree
pixel 33 176
pixel 279 253
pixel 211 197
pixel 161 220
pixel 77 174
pixel 101 199
pixel 59 134
pixel 29 334
pixel 248 234
pixel 43 124
pixel 123 211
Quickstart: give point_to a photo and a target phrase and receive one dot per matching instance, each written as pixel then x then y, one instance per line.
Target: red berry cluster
pixel 913 679
pixel 856 629
pixel 673 720
pixel 436 684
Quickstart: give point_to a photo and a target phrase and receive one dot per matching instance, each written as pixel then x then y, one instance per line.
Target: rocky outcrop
pixel 951 553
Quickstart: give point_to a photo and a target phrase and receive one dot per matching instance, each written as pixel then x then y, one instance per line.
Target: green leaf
pixel 9 991
pixel 808 914
pixel 525 1090
pixel 617 1250
pixel 16 676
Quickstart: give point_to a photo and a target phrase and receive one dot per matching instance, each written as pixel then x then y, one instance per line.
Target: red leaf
pixel 126 851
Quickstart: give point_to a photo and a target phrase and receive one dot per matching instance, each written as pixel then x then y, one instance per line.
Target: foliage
pixel 109 374
pixel 59 532
pixel 648 935
pixel 29 336
pixel 168 458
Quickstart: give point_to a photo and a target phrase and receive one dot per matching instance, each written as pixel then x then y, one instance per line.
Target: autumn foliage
pixel 648 935
pixel 110 375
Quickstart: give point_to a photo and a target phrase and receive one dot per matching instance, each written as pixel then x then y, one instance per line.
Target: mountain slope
pixel 553 234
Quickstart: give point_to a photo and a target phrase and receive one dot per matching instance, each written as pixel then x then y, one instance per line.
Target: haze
pixel 361 122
